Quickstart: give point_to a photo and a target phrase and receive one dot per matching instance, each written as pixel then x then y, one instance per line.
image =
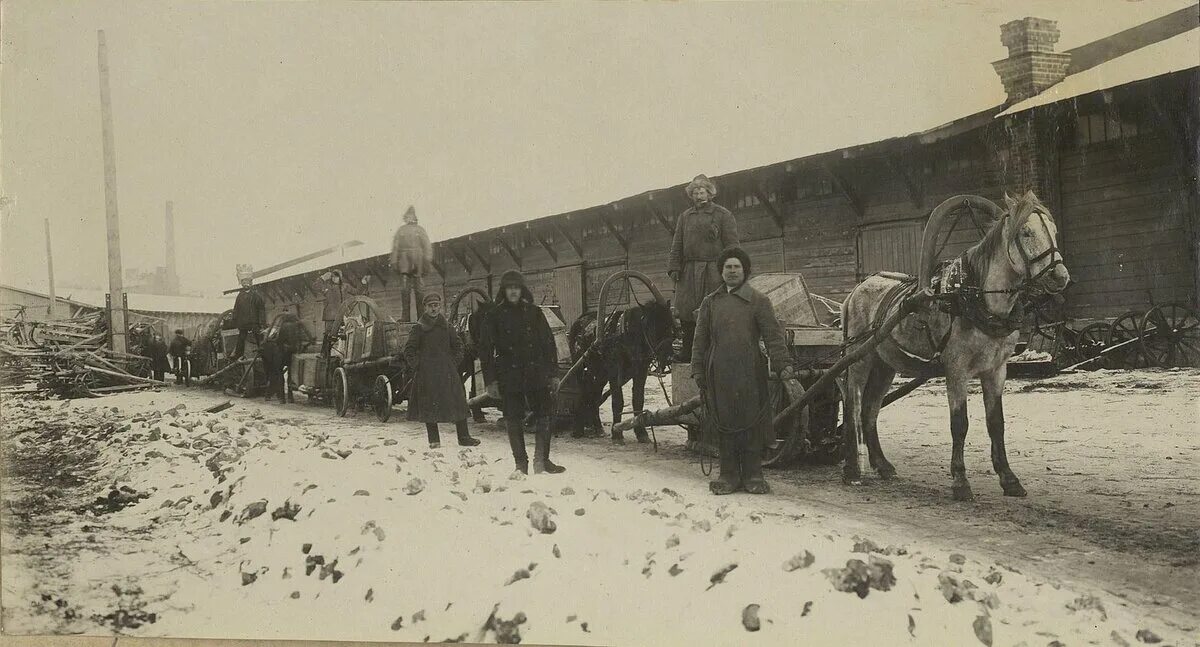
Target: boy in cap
pixel 434 351
pixel 519 361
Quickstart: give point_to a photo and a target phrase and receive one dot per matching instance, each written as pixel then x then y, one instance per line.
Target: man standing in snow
pixel 701 233
pixel 412 259
pixel 519 361
pixel 732 372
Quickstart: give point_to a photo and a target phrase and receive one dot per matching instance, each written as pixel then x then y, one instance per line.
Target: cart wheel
pixel 381 398
pixel 788 437
pixel 1091 341
pixel 1171 336
pixel 1125 328
pixel 341 391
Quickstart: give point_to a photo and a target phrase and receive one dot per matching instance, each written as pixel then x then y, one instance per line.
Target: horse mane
pixel 978 257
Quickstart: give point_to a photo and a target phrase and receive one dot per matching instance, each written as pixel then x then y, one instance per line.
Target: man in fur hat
pixel 249 311
pixel 520 363
pixel 412 259
pixel 701 233
pixel 732 373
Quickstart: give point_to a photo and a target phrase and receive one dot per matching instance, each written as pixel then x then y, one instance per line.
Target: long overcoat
pixel 728 361
pixel 249 309
pixel 412 253
pixel 700 237
pixel 516 347
pixel 433 350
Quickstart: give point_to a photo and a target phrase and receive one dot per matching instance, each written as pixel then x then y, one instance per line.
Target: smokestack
pixel 172 277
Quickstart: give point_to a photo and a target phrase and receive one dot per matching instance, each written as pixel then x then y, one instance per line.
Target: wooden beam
pixel 574 243
pixel 776 215
pixel 547 246
pixel 461 258
pixel 511 252
pixel 612 229
pixel 662 220
pixel 914 185
pixel 483 261
pixel 844 188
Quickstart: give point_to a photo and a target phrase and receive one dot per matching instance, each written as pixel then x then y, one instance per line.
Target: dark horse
pixel 972 338
pixel 632 340
pixel 468 327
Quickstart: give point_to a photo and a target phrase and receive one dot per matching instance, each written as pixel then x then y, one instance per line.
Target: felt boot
pixel 729 479
pixel 541 451
pixel 516 440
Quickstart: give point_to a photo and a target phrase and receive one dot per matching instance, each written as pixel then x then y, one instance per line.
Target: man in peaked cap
pixel 412 259
pixel 701 233
pixel 520 361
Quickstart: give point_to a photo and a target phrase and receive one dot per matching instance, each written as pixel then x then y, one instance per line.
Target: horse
pixel 970 333
pixel 633 339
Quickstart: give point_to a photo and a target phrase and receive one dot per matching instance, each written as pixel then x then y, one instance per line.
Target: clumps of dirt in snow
pixel 539 515
pixel 507 632
pixel 117 499
pixel 750 618
pixel 859 578
pixel 798 561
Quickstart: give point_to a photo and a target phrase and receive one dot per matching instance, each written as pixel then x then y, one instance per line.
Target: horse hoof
pixel 1014 489
pixel 963 493
pixel 851 477
pixel 618 440
pixel 643 438
pixel 887 473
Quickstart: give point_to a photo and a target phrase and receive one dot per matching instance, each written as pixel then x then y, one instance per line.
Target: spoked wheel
pixel 1126 329
pixel 341 391
pixel 1171 336
pixel 381 397
pixel 790 436
pixel 1091 341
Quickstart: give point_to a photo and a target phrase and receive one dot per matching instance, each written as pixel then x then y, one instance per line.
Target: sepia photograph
pixel 821 322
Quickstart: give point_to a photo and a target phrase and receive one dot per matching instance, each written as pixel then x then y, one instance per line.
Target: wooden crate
pixel 789 296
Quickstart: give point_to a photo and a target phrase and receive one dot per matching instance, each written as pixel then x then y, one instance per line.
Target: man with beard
pixel 519 361
pixel 732 374
pixel 700 234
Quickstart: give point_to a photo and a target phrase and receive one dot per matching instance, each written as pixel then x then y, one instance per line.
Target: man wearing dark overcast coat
pixel 701 233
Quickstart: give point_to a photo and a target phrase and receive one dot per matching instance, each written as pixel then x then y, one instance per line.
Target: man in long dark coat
pixel 434 351
pixel 520 363
pixel 412 259
pixel 280 346
pixel 700 234
pixel 732 373
pixel 249 312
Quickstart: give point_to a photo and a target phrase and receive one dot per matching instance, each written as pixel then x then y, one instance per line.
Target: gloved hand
pixel 326 276
pixel 674 274
pixel 366 279
pixel 786 374
pixel 552 384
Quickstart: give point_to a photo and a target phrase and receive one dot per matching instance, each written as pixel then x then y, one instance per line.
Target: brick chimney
pixel 1032 65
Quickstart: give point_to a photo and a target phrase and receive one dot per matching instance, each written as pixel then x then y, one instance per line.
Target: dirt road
pixel 1104 547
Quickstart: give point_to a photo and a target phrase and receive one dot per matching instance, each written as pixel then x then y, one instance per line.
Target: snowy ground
pixel 391 541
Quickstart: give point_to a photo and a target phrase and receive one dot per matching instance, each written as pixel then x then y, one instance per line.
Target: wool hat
pixel 738 253
pixel 512 279
pixel 701 181
pixel 430 298
pixel 410 214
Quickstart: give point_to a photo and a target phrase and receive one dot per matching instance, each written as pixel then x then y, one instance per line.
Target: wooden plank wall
pixel 1124 230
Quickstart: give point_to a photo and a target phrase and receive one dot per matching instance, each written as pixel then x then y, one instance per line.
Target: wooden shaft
pixel 124 376
pixel 52 310
pixel 909 306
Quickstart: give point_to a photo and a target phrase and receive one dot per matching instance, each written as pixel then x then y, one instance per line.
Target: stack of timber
pixel 76 371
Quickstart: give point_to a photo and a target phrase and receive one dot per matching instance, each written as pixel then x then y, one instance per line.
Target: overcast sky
pixel 281 128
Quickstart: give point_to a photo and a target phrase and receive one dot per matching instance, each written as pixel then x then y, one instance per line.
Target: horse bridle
pixel 1056 258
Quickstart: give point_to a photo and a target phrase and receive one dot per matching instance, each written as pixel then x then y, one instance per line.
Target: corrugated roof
pixel 1181 52
pixel 157 302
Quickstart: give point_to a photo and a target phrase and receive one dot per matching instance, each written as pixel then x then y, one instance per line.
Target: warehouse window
pixel 1106 126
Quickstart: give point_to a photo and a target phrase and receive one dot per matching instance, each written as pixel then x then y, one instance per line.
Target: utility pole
pixel 52 311
pixel 172 276
pixel 117 326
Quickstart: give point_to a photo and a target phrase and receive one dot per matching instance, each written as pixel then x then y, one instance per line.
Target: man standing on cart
pixel 701 233
pixel 412 259
pixel 249 311
pixel 520 363
pixel 732 374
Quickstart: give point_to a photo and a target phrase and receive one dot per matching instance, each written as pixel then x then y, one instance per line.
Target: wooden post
pixel 118 324
pixel 52 310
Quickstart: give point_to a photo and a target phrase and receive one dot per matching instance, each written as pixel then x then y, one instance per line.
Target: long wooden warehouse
pixel 1105 134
